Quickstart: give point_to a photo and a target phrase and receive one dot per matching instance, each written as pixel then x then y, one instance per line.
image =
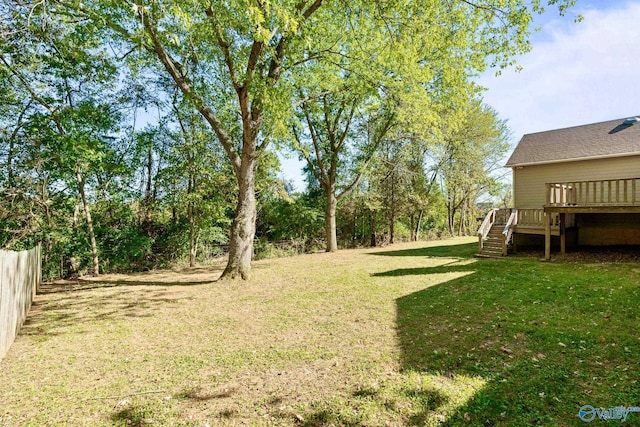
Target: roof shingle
pixel 604 139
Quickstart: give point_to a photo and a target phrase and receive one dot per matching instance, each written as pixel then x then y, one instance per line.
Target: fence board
pixel 20 275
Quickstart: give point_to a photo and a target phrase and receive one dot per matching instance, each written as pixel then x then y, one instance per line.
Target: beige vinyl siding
pixel 529 181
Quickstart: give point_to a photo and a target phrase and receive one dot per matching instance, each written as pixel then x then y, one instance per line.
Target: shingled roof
pixel 597 140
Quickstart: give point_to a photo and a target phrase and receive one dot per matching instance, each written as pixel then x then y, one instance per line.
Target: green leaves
pixel 343 74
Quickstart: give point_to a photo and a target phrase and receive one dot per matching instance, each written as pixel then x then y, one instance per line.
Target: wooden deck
pixel 563 200
pixel 531 221
pixel 596 196
pixel 604 196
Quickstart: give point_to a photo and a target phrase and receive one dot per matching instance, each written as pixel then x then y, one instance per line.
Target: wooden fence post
pixel 20 276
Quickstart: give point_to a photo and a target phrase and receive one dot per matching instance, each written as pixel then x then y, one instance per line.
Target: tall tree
pixel 47 59
pixel 228 58
pixel 205 186
pixel 470 153
pixel 329 142
pixel 225 58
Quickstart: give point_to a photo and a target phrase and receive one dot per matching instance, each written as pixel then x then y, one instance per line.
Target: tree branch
pixel 254 55
pixel 186 87
pixel 311 9
pixel 224 46
pixel 54 112
pixel 496 11
pixel 327 123
pixel 343 137
pixel 312 168
pixel 275 67
pixel 316 146
pixel 376 143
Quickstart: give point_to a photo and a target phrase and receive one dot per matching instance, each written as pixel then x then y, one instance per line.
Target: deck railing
pixel 604 192
pixel 534 218
pixel 495 216
pixel 507 231
pixel 484 229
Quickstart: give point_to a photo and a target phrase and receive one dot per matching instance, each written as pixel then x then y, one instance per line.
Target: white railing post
pixel 484 229
pixel 604 192
pixel 507 232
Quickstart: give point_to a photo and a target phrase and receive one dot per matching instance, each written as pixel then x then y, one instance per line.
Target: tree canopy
pixel 232 83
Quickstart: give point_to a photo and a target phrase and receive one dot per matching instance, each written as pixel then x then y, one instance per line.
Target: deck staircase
pixel 492 246
pixel 495 233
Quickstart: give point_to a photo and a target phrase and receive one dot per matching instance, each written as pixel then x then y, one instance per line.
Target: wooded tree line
pixel 140 133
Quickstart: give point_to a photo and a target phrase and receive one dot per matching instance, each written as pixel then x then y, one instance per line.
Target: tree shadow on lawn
pixel 423 400
pixel 60 307
pixel 450 267
pixel 60 286
pixel 465 250
pixel 546 338
pixel 133 416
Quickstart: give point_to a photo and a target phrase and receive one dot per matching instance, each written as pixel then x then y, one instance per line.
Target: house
pixel 574 186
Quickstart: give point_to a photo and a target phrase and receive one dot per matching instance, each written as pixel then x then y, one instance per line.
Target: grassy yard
pixel 413 334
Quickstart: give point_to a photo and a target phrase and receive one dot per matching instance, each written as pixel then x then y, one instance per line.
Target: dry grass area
pixel 178 347
pixel 413 334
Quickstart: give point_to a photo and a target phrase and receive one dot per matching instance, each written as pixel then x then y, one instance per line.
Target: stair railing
pixel 507 232
pixel 484 229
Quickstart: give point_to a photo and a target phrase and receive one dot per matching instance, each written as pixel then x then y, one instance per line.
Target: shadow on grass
pixel 465 250
pixel 547 338
pixel 199 395
pixel 450 267
pixel 399 397
pixel 428 401
pixel 327 417
pixel 62 309
pixel 83 285
pixel 133 416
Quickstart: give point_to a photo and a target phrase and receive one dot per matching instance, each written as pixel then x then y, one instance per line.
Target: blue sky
pixel 577 73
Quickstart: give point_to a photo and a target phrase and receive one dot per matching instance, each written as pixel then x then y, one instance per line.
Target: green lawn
pixel 412 334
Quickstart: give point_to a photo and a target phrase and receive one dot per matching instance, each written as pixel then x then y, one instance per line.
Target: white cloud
pixel 577 73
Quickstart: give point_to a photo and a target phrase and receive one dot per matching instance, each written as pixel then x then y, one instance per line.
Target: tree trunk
pixel 461 222
pixel 373 229
pixel 192 237
pixel 392 213
pixel 10 164
pixel 87 211
pixel 392 227
pixel 193 246
pixel 243 228
pixel 48 242
pixel 451 213
pixel 354 226
pixel 412 235
pixel 330 221
pixel 191 219
pixel 174 209
pixel 12 141
pixel 76 215
pixel 147 194
pixel 416 234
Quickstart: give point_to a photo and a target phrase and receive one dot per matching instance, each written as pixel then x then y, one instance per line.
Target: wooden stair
pixel 492 245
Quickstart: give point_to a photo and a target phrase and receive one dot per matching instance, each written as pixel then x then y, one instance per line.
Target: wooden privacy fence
pixel 20 275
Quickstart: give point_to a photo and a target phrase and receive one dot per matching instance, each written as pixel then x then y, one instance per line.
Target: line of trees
pixel 133 133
